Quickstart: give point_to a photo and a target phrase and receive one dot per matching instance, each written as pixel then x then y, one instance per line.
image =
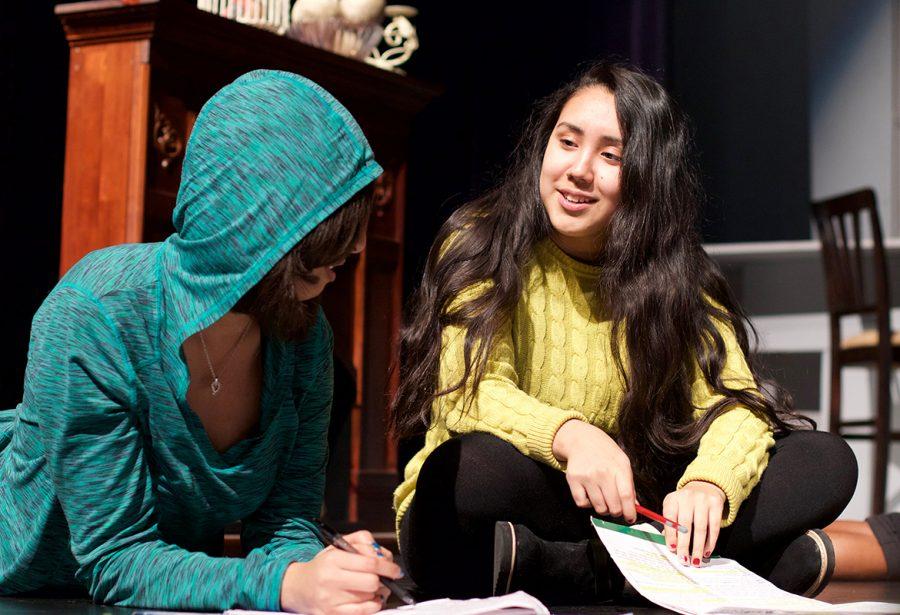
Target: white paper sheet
pixel 721 586
pixel 518 603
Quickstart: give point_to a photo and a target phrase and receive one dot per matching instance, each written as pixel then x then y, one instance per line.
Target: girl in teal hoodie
pixel 176 387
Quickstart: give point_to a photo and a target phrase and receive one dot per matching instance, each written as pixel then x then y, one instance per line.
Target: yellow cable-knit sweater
pixel 552 362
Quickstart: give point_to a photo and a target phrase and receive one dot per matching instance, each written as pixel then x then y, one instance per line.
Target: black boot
pixel 805 566
pixel 554 572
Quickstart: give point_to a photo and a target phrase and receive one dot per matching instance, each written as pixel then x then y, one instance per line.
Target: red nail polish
pixel 707 554
pixel 696 561
pixel 684 558
pixel 672 546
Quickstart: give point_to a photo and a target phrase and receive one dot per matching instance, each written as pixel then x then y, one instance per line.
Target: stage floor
pixel 835 593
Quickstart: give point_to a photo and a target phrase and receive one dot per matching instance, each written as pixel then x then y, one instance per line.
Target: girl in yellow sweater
pixel 574 351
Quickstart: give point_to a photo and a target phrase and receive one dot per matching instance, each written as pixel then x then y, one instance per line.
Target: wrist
pixel 566 435
pixel 292 598
pixel 708 487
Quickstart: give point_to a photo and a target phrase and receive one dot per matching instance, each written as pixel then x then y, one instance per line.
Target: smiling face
pixel 580 172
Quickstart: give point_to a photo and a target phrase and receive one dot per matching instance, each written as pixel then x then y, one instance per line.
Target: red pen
pixel 652 515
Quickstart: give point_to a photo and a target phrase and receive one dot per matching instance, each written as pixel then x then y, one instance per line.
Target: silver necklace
pixel 216 386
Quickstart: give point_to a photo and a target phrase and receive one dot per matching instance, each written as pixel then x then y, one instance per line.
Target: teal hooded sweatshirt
pixel 107 478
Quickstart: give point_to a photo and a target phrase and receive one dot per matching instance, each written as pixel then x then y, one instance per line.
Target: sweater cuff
pixel 270 596
pixel 711 471
pixel 540 430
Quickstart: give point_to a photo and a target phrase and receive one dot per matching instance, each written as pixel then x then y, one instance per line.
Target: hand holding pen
pixel 338 581
pixel 333 538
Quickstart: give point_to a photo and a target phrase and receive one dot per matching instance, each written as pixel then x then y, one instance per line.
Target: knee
pixel 470 458
pixel 828 461
pixel 470 471
pixel 838 461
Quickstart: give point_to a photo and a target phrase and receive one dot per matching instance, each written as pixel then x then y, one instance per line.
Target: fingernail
pixel 672 546
pixel 707 554
pixel 696 561
pixel 684 559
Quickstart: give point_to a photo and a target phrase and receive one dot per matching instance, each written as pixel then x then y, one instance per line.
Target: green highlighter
pixel 624 529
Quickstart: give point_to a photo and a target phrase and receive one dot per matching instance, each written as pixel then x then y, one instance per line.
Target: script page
pixel 517 603
pixel 720 586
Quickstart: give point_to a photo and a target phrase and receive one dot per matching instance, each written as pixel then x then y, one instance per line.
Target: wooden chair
pixel 858 285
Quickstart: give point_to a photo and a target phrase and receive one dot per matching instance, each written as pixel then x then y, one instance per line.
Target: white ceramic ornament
pixel 314 10
pixel 361 11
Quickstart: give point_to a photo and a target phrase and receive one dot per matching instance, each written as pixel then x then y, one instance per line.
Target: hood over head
pixel 270 156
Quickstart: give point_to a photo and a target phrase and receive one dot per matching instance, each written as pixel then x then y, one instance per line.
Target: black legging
pixel 469 482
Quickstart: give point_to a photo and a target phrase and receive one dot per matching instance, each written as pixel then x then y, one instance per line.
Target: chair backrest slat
pixel 842 251
pixel 858 273
pixel 846 282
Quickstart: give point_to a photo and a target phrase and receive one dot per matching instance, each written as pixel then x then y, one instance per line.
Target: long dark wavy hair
pixel 654 284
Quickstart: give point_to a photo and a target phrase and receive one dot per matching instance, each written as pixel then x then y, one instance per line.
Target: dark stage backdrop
pixel 737 65
pixel 740 69
pixel 34 57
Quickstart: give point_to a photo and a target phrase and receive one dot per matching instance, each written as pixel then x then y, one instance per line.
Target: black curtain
pixel 34 56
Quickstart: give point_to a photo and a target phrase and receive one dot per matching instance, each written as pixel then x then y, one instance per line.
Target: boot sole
pixel 826 553
pixel 504 557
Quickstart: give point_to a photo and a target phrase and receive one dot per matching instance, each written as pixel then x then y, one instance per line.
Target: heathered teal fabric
pixel 107 478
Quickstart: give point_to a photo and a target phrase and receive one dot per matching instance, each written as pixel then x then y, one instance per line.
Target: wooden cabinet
pixel 139 72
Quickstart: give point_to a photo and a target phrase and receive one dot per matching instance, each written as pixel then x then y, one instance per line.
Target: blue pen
pixel 377 548
pixel 334 539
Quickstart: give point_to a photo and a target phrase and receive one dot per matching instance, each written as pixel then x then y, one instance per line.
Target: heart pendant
pixel 215 386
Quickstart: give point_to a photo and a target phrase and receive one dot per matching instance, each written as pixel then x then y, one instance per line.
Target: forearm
pixel 497 405
pixel 159 575
pixel 295 540
pixel 513 416
pixel 733 454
